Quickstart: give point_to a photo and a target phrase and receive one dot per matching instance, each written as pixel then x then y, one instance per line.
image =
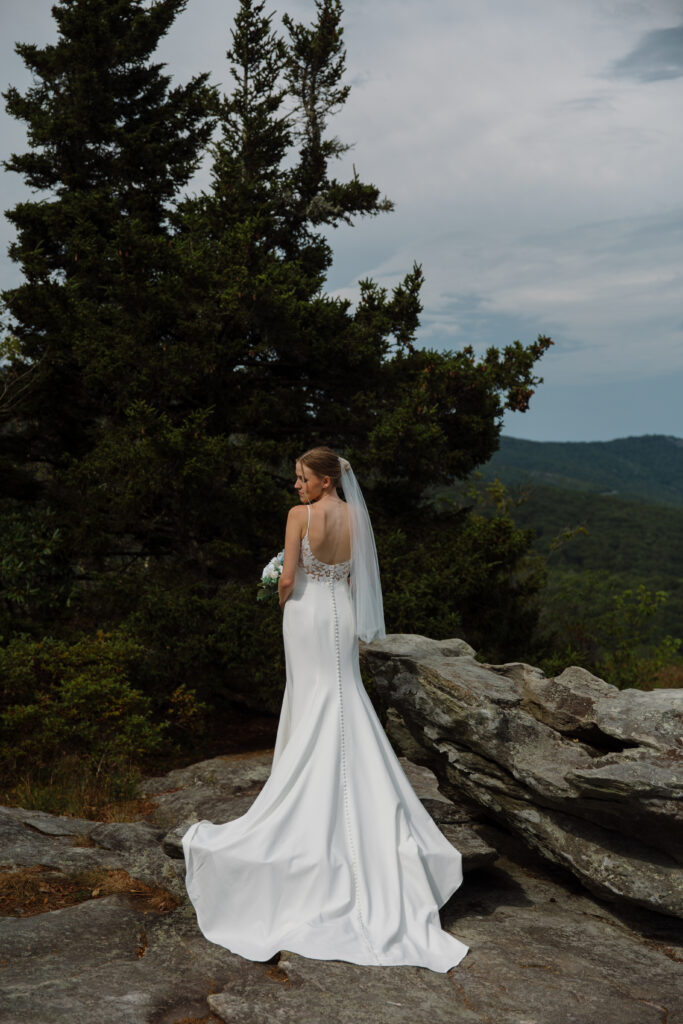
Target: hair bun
pixel 345 464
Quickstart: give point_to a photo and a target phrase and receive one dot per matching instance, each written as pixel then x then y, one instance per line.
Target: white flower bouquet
pixel 267 585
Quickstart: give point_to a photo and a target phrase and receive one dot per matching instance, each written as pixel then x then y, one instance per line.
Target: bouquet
pixel 267 585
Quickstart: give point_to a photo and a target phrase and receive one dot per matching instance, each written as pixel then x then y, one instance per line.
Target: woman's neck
pixel 331 495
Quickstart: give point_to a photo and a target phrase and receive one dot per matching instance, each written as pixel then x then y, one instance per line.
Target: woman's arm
pixel 295 521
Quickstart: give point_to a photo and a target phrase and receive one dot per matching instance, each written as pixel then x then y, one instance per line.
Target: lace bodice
pixel 318 570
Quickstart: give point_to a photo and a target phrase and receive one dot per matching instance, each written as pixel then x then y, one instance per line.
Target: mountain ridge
pixel 647 467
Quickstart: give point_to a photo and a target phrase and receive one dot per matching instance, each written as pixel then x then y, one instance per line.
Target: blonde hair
pixel 323 462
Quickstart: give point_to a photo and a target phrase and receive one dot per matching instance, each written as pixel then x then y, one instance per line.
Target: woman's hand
pixel 284 592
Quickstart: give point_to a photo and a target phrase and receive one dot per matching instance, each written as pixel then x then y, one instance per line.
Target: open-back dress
pixel 337 858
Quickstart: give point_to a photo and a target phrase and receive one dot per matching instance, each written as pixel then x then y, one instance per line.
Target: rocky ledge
pixel 127 949
pixel 589 776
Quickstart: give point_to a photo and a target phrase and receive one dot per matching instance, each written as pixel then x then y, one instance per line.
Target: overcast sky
pixel 535 155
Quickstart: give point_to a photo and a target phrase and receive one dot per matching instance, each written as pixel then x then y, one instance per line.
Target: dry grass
pixel 71 786
pixel 39 889
pixel 210 1019
pixel 70 795
pixel 135 809
pixel 668 678
pixel 275 973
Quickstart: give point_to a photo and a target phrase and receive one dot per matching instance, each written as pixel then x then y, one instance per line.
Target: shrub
pixel 217 640
pixel 61 701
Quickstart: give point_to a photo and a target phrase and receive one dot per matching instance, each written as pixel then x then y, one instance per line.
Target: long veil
pixel 366 589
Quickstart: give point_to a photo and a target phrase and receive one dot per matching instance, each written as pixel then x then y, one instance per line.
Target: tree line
pixel 166 357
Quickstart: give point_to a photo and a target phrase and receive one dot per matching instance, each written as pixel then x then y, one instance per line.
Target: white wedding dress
pixel 337 858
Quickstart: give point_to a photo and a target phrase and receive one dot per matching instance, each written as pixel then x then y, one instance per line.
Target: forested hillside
pixel 621 536
pixel 648 468
pixel 630 542
pixel 612 600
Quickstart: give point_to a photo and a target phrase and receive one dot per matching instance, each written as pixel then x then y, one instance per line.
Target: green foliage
pixel 464 569
pixel 612 596
pixel 69 787
pixel 634 543
pixel 216 640
pixel 112 145
pixel 154 483
pixel 608 632
pixel 75 727
pixel 61 700
pixel 619 536
pixel 35 574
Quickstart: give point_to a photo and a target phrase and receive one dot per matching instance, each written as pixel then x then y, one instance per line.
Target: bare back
pixel 329 533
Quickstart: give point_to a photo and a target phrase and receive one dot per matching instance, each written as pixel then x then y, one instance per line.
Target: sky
pixel 535 158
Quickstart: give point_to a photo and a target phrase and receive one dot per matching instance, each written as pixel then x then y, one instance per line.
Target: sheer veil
pixel 366 590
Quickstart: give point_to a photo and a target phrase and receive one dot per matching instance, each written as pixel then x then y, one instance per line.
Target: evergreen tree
pixel 266 342
pixel 290 364
pixel 112 145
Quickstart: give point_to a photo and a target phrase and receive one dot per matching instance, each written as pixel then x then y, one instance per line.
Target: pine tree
pixel 270 343
pixel 112 146
pixel 292 363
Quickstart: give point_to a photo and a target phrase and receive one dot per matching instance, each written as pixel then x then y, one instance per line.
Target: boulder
pixel 588 775
pixel 223 788
pixel 218 789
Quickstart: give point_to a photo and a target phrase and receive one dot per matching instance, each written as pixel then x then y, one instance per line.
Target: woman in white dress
pixel 337 858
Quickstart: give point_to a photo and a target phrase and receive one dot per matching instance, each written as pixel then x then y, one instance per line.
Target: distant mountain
pixel 647 468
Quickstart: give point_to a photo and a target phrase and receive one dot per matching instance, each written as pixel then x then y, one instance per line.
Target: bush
pixel 62 701
pixel 217 640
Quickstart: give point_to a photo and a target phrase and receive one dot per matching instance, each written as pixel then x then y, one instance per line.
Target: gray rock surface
pixel 219 789
pixel 542 949
pixel 104 962
pixel 588 775
pixel 32 837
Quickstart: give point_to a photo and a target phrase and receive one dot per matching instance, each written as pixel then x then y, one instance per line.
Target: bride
pixel 337 858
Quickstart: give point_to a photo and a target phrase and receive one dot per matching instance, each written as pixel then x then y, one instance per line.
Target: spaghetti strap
pixel 309 520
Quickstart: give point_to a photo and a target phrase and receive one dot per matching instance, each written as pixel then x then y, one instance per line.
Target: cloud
pixel 657 57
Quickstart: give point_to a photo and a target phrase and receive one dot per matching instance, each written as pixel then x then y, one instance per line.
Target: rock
pixel 542 949
pixel 22 844
pixel 219 789
pixel 297 991
pixel 132 846
pixel 50 824
pixel 222 797
pixel 589 776
pixel 104 961
pixel 172 843
pixel 126 836
pixel 139 844
pixel 457 821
